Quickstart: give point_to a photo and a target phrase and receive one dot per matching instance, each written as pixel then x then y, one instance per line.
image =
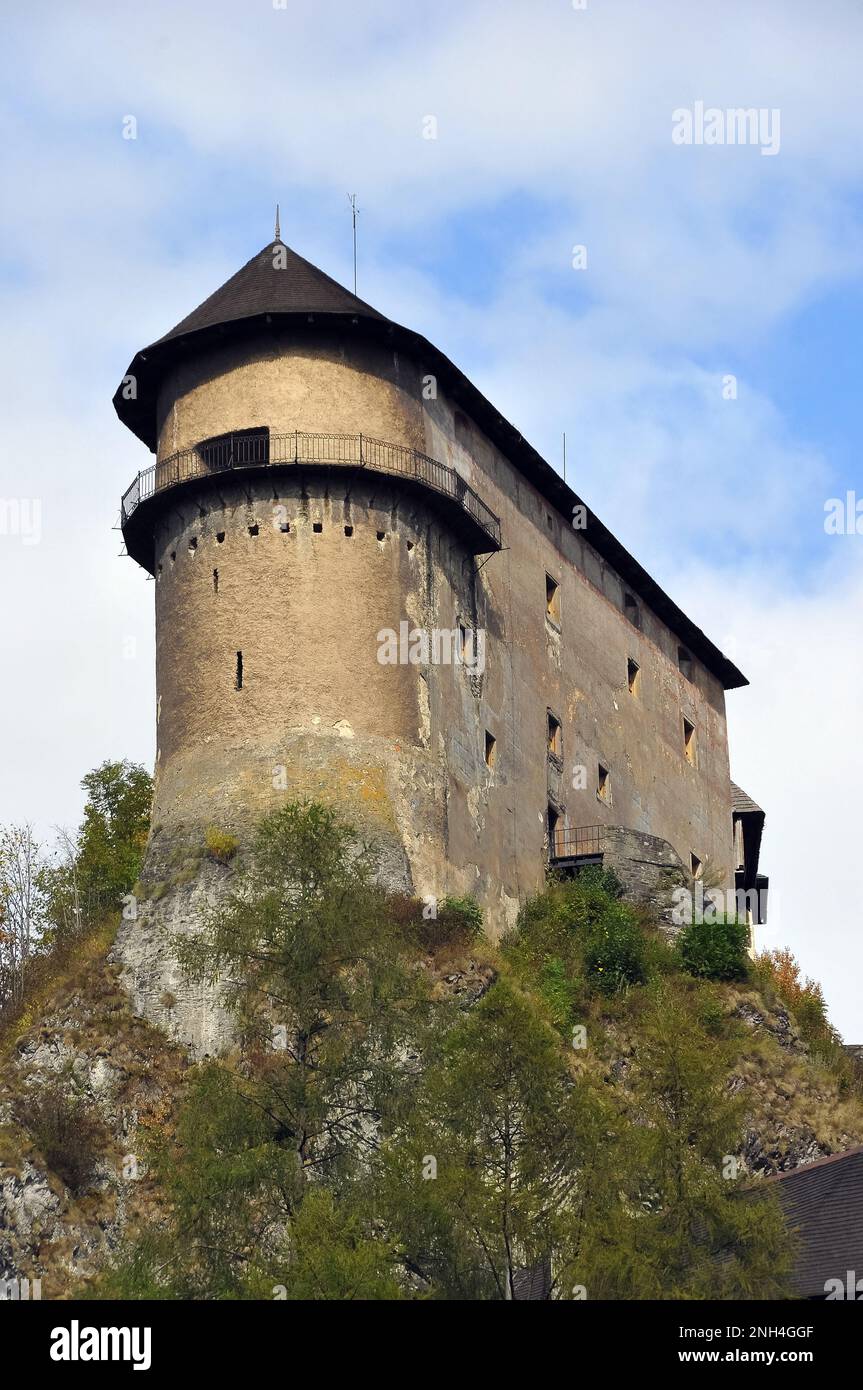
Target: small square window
pixel 689 740
pixel 490 749
pixel 603 784
pixel 632 675
pixel 555 736
pixel 552 600
pixel 253 529
pixel 349 531
pixel 317 527
pixel 631 610
pixel 382 535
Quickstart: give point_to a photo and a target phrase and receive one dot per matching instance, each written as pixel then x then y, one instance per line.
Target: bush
pixel 615 956
pixel 220 845
pixel 67 1133
pixel 456 924
pixel 715 950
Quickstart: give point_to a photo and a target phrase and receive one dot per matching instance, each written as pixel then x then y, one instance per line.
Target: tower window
pixel 382 535
pixel 173 556
pixel 631 610
pixel 552 822
pixel 220 536
pixel 552 600
pixel 193 545
pixel 410 545
pixel 689 740
pixel 684 661
pixel 215 581
pixel 239 670
pixel 490 749
pixel 317 527
pixel 554 736
pixel 632 674
pixel 349 530
pixel 241 449
pixel 603 784
pixel 253 529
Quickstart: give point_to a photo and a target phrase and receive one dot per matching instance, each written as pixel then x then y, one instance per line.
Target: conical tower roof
pixel 275 281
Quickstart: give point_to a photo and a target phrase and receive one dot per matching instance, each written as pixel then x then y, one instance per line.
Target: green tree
pixel 479 1180
pixel 329 1004
pixel 672 1217
pixel 95 867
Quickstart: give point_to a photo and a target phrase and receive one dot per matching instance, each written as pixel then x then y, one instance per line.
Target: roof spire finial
pixel 278 235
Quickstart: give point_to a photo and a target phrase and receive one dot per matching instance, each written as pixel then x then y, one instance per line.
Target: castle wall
pixel 402 746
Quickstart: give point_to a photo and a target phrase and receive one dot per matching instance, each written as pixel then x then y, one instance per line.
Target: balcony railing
pixel 260 449
pixel 577 842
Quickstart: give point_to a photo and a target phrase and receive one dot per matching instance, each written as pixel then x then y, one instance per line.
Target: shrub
pixel 615 956
pixel 715 950
pixel 457 922
pixel 67 1133
pixel 220 845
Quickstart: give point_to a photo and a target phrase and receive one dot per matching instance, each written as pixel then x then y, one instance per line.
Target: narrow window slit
pixel 239 670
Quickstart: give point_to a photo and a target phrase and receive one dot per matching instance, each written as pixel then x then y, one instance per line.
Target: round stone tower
pixel 291 520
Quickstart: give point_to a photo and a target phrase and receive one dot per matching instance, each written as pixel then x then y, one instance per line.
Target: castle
pixel 371 590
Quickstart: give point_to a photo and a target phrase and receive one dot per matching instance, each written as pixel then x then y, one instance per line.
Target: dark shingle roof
pixel 294 286
pixel 740 801
pixel 823 1201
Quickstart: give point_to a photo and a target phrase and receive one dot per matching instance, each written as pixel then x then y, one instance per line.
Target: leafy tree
pixel 480 1178
pixel 94 868
pixel 673 1219
pixel 21 907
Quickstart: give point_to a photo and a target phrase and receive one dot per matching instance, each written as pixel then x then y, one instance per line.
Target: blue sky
pixel 553 130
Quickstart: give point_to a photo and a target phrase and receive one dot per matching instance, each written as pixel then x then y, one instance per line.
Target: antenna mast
pixel 352 199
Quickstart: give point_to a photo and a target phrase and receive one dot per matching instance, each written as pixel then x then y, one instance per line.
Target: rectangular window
pixel 603 784
pixel 689 740
pixel 239 681
pixel 553 829
pixel 632 674
pixel 490 749
pixel 555 736
pixel 552 600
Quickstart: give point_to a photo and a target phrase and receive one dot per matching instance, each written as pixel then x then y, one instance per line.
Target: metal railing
pixel 259 448
pixel 572 842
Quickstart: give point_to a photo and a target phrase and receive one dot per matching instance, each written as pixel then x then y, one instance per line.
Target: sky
pixel 701 351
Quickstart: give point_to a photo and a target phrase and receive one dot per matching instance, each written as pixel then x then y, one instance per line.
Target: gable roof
pixel 824 1202
pixel 300 294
